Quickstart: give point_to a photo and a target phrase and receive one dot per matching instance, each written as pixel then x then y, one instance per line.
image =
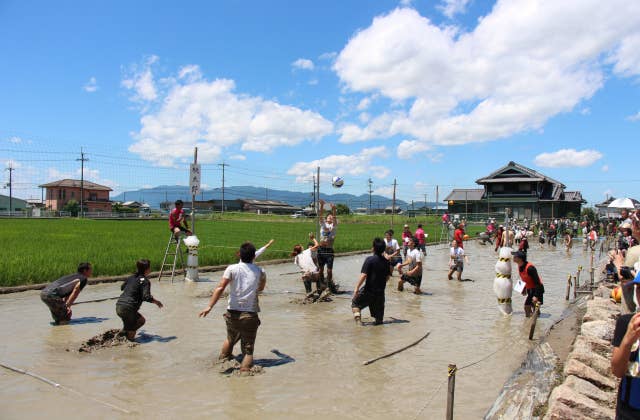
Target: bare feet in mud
pixel 232 367
pixel 110 338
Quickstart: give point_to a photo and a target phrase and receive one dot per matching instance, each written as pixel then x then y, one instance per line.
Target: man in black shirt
pixel 625 361
pixel 60 295
pixel 374 275
pixel 135 290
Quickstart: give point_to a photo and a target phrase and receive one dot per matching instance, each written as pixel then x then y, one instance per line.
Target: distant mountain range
pixel 154 196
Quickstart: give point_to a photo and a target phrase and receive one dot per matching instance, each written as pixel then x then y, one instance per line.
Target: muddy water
pixel 171 374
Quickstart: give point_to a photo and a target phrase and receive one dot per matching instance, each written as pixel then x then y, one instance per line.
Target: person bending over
pixel 413 275
pixel 305 262
pixel 374 275
pixel 392 251
pixel 60 295
pixel 135 290
pixel 246 280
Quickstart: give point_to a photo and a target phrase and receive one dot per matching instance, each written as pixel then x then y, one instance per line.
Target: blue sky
pixel 428 92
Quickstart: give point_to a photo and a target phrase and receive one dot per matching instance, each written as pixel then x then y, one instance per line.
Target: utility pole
pixel 393 202
pixel 266 193
pixel 10 185
pixel 370 192
pixel 318 201
pixel 223 165
pixel 82 161
pixel 437 198
pixel 425 205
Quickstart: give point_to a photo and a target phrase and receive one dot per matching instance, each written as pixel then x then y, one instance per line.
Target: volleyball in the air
pixel 337 181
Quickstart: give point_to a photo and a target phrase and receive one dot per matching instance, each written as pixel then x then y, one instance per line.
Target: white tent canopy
pixel 622 203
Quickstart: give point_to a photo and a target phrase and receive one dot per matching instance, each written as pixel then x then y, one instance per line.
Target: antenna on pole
pixel 82 160
pixel 393 203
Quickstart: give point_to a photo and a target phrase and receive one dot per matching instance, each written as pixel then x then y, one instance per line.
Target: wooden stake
pixel 575 287
pixel 568 287
pixel 451 390
pixel 368 362
pixel 534 319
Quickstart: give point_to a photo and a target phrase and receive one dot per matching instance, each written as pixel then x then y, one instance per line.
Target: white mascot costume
pixel 502 284
pixel 192 243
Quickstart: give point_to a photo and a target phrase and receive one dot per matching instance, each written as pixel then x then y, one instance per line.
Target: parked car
pixel 298 214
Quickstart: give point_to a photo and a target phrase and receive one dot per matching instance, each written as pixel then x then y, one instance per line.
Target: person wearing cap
pixel 499 235
pixel 177 222
pixel 534 288
pixel 406 237
pixel 625 360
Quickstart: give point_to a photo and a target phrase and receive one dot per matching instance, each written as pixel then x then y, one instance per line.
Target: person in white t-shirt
pixel 392 251
pixel 456 260
pixel 413 275
pixel 328 229
pixel 306 262
pixel 245 280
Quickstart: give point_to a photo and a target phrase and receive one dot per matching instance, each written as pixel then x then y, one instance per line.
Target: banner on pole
pixel 194 178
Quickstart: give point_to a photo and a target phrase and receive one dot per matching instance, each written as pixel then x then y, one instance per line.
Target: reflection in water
pixel 327 378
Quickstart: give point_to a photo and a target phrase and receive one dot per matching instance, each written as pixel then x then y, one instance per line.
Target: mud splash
pixel 107 339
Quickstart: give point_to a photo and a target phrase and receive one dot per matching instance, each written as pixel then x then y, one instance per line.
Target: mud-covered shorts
pixel 129 317
pixel 243 327
pixel 459 266
pixel 412 280
pixel 325 257
pixel 58 308
pixel 374 302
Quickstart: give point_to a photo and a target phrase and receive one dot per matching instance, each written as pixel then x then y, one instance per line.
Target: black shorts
pixel 423 248
pixel 375 303
pixel 458 267
pixel 412 280
pixel 129 317
pixel 536 292
pixel 395 261
pixel 325 257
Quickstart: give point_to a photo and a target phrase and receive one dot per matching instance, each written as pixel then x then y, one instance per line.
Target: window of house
pixel 524 187
pixel 497 188
pixel 73 194
pixel 60 193
pixel 93 197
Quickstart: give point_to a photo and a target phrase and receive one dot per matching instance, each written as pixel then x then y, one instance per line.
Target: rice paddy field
pixel 41 250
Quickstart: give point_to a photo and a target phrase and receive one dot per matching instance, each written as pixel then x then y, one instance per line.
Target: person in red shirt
pixel 458 235
pixel 177 222
pixel 499 235
pixel 421 239
pixel 406 237
pixel 534 288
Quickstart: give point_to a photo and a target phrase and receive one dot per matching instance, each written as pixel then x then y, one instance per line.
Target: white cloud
pixel 384 191
pixel 139 79
pixel 411 149
pixel 406 3
pixel 585 111
pixel 303 64
pixel 238 157
pixel 212 116
pixel 634 117
pixel 91 86
pixel 450 8
pixel 364 104
pixel 568 158
pixel 343 165
pixel 312 82
pixel 364 117
pixel 92 175
pixel 328 56
pixel 15 140
pixel 605 168
pixel 524 62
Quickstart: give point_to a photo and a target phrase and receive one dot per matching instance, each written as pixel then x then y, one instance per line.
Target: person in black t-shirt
pixel 625 361
pixel 135 290
pixel 374 275
pixel 60 295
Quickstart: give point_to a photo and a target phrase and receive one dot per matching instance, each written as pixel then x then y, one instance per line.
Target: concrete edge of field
pixel 154 275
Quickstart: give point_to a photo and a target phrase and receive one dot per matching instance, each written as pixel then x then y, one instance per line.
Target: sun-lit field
pixel 37 251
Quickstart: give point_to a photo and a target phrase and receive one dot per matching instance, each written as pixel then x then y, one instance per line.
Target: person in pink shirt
pixel 177 222
pixel 421 239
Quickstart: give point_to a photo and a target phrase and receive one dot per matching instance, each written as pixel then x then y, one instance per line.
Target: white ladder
pixel 175 254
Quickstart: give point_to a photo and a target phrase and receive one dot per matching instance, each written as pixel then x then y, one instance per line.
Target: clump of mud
pixel 231 367
pixel 110 338
pixel 313 297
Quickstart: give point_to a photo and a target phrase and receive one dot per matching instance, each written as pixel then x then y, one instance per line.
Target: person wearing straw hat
pixel 625 359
